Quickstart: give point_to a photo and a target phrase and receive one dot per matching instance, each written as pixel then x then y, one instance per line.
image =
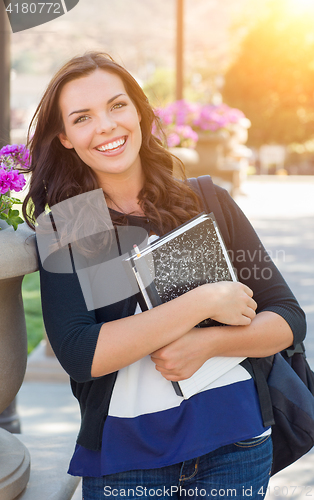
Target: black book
pixel 189 256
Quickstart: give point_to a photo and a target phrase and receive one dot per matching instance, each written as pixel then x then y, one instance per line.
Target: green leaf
pixel 16 201
pixel 5 204
pixel 5 198
pixel 10 200
pixel 13 219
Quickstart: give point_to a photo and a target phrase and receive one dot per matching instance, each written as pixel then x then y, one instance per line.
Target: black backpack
pixel 284 381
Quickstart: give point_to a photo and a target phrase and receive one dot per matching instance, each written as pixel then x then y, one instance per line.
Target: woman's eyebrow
pixel 113 98
pixel 79 111
pixel 86 110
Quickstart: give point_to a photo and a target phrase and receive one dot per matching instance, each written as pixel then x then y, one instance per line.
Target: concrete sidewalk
pixel 50 420
pixel 282 212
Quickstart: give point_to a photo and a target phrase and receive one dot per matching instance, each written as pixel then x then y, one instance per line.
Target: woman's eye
pixel 119 105
pixel 81 119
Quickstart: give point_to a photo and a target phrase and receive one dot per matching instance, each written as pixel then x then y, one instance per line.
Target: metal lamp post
pixel 180 50
pixel 5 31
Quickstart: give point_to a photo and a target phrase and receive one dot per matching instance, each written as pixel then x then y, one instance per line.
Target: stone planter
pixel 211 151
pixel 189 158
pixel 17 258
pixel 220 157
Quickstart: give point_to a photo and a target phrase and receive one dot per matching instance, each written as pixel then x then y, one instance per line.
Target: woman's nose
pixel 105 123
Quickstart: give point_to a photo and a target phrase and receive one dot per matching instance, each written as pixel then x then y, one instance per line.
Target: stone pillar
pixel 17 258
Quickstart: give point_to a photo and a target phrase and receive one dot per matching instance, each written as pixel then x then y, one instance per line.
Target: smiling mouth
pixel 112 146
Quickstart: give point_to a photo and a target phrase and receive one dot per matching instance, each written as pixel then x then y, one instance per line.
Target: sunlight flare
pixel 301 6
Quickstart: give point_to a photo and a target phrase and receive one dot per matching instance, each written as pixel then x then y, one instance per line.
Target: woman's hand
pixel 229 302
pixel 183 357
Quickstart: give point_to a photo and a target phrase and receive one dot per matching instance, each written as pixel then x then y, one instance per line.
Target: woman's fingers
pixel 243 321
pixel 233 302
pixel 249 313
pixel 247 290
pixel 252 304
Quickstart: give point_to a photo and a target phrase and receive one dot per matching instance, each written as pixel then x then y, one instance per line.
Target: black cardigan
pixel 73 330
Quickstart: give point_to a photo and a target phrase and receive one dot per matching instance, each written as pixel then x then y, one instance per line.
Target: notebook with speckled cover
pixel 189 259
pixel 189 256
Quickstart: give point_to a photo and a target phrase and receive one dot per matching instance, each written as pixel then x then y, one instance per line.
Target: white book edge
pixel 174 234
pixel 210 371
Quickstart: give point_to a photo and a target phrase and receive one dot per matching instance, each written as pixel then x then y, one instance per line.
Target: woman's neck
pixel 129 207
pixel 122 195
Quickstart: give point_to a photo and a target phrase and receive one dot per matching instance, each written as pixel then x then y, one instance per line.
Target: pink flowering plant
pixel 182 121
pixel 12 159
pixel 175 120
pixel 213 118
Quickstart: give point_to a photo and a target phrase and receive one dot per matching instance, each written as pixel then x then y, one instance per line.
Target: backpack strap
pixel 259 369
pixel 205 188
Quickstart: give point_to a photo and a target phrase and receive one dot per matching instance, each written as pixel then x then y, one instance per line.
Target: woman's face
pixel 102 124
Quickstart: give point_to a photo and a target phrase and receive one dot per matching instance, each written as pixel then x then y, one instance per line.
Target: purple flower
pixel 181 135
pixel 10 180
pixel 210 117
pixel 179 118
pixel 178 113
pixel 173 140
pixel 8 150
pixel 18 153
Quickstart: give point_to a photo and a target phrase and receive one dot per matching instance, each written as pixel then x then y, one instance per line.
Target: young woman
pixel 138 438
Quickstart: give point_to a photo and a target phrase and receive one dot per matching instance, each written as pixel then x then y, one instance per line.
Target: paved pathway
pixel 282 213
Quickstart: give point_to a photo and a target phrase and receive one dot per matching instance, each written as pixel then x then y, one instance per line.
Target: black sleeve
pixel 255 269
pixel 72 329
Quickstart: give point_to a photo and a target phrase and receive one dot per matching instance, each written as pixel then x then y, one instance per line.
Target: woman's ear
pixel 65 141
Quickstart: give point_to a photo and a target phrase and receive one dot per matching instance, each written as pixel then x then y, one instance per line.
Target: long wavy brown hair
pixel 58 173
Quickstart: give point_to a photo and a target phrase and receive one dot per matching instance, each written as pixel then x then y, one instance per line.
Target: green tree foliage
pixel 33 311
pixel 272 79
pixel 160 88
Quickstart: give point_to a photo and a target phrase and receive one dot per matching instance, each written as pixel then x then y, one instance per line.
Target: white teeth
pixel 112 145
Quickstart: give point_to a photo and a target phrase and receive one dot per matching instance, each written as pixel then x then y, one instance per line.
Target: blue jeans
pixel 239 470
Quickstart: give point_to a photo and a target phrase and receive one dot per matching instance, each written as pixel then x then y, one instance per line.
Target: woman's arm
pixel 267 334
pixel 279 323
pixel 256 269
pixel 93 343
pixel 127 340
